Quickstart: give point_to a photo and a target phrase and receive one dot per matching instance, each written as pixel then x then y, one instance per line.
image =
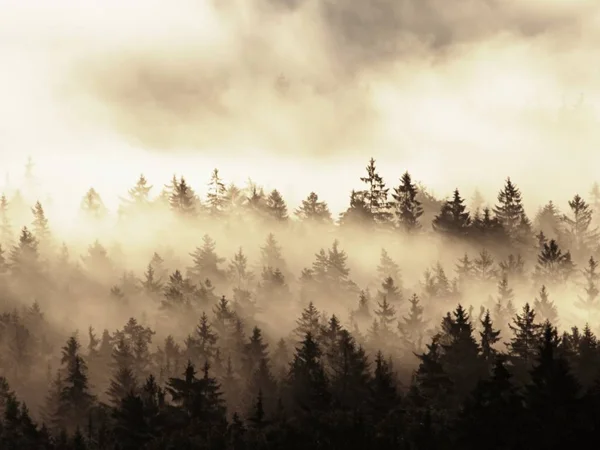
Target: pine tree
pixel 40 224
pixel 523 346
pixel 412 327
pixel 308 322
pixel 504 309
pixel 6 234
pixel 483 267
pixel 553 265
pixel 580 235
pixel 388 268
pixel 307 381
pixel 406 207
pixel 151 284
pixel 238 270
pixel 549 220
pixel 488 338
pixel 92 205
pixel 206 262
pixel 75 398
pixel 464 268
pixel 217 195
pixel 276 208
pixel 590 303
pixel 513 268
pixel 337 269
pixel 545 307
pixel 24 257
pixel 271 255
pixel 183 200
pixel 453 219
pixel 358 214
pixel 510 211
pixel 386 314
pixel 390 291
pixel 376 195
pixel 138 197
pixel 314 211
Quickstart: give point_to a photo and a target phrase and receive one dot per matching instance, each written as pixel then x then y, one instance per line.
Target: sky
pixel 299 94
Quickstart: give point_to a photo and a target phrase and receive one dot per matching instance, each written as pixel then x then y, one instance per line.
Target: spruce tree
pixel 545 307
pixel 238 271
pixel 92 205
pixel 510 211
pixel 488 338
pixel 276 208
pixel 24 257
pixel 580 236
pixel 6 234
pixel 206 262
pixel 523 346
pixel 407 208
pixel 553 266
pixel 308 322
pixel 76 399
pixel 271 254
pixel 590 303
pixel 217 195
pixel 412 326
pixel 138 197
pixel 483 267
pixel 376 195
pixel 358 214
pixel 388 268
pixel 183 200
pixel 453 219
pixel 314 211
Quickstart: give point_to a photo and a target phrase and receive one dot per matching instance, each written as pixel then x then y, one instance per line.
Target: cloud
pixel 469 87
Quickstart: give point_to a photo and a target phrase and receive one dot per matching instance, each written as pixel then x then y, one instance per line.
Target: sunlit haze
pixel 296 92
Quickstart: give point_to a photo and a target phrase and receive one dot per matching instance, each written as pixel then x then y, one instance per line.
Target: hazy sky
pixel 303 92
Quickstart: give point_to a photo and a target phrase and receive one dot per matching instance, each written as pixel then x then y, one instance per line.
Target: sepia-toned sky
pixel 298 93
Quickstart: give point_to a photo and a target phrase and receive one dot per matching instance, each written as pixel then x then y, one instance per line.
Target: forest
pixel 216 316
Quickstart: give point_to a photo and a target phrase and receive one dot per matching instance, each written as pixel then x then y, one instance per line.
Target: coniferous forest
pixel 213 316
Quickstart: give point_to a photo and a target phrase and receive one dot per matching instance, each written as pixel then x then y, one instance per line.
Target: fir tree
pixel 206 262
pixel 510 211
pixel 358 214
pixel 92 205
pixel 488 338
pixel 590 303
pixel 138 197
pixel 388 268
pixel 523 346
pixel 553 265
pixel 24 257
pixel 376 195
pixel 580 235
pixel 183 200
pixel 308 322
pixel 407 208
pixel 483 267
pixel 453 219
pixel 238 270
pixel 314 211
pixel 275 207
pixel 545 307
pixel 549 220
pixel 412 326
pixel 217 195
pixel 270 254
pixel 6 233
pixel 75 398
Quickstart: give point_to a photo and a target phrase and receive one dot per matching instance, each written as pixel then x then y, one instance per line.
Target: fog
pixel 460 97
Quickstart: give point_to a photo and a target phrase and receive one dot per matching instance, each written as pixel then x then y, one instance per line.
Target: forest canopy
pixel 218 317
